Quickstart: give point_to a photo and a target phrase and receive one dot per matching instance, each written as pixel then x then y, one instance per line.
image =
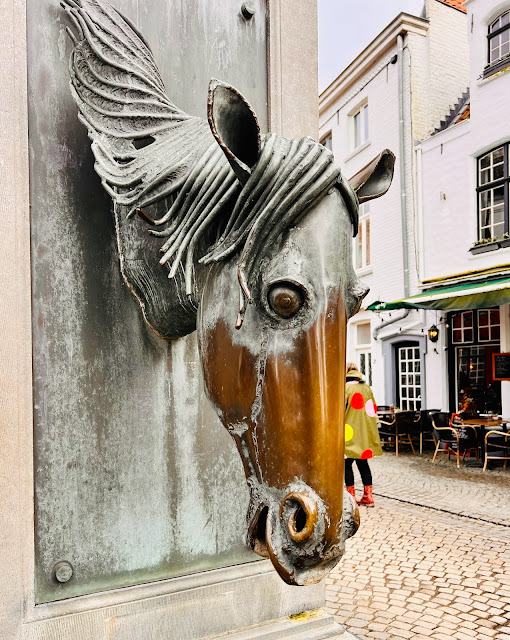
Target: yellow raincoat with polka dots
pixel 361 433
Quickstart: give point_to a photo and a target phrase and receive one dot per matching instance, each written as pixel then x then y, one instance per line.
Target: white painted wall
pixel 448 217
pixel 435 75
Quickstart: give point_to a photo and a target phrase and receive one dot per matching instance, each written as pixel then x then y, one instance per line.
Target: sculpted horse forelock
pixel 258 219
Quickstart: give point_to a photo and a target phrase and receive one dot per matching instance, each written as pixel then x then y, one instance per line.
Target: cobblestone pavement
pixel 430 562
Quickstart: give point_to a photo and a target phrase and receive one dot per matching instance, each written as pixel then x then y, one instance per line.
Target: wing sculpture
pixel 143 144
pixel 232 190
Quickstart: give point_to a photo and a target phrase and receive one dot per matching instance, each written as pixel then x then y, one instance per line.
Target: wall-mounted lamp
pixel 433 333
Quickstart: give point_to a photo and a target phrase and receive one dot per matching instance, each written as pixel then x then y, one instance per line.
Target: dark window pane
pixel 483 334
pixel 468 319
pixel 468 335
pixel 498 195
pixel 494 315
pixel 457 321
pixel 499 171
pixel 498 155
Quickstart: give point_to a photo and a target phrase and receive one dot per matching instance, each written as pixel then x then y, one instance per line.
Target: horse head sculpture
pixel 258 219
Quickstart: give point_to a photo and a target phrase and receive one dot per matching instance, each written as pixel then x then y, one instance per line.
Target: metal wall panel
pixel 136 480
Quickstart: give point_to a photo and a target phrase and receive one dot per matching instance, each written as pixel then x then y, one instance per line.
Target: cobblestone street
pixel 432 559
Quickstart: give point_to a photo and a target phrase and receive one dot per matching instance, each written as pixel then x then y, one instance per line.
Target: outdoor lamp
pixel 433 333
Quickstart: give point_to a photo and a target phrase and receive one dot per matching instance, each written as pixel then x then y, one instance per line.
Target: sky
pixel 347 26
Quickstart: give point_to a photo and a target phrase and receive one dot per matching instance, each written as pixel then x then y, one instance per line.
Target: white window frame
pixel 361 243
pixel 492 179
pixel 327 141
pixel 359 125
pixel 491 325
pixel 463 328
pixel 499 38
pixel 406 356
pixel 365 364
pixel 364 353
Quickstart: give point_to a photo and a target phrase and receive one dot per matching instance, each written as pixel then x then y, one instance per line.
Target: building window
pixel 462 327
pixel 360 126
pixel 365 366
pixel 362 240
pixel 499 45
pixel 363 340
pixel 409 375
pixel 327 141
pixel 488 325
pixel 493 194
pixel 499 38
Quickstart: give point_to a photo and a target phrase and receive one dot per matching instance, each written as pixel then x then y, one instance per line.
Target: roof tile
pixel 456 4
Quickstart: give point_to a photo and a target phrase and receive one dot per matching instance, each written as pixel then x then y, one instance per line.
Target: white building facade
pixel 463 215
pixel 393 95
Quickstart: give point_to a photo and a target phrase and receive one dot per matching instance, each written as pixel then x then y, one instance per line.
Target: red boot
pixel 367 498
pixel 352 491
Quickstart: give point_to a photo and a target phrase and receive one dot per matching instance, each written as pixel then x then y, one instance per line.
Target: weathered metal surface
pixel 135 479
pixel 262 218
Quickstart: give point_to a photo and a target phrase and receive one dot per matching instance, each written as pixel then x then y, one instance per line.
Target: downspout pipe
pixel 402 163
pixel 387 323
pixel 402 176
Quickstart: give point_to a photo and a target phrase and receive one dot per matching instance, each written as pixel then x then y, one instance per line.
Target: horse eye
pixel 285 299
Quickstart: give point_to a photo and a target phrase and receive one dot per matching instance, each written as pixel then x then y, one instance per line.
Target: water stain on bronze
pixel 298 431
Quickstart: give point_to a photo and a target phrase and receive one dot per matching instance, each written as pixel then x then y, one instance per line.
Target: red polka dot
pixel 357 401
pixel 375 407
pixel 368 453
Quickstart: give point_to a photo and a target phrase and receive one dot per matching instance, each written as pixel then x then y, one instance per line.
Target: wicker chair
pixel 498 443
pixel 446 436
pixel 402 427
pixel 451 439
pixel 426 429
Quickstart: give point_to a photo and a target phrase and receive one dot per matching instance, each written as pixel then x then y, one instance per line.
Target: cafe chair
pixel 447 438
pixel 399 430
pixel 386 426
pixel 453 439
pixel 426 429
pixel 384 407
pixel 468 435
pixel 497 443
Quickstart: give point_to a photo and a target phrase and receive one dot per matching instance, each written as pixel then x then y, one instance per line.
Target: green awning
pixel 479 295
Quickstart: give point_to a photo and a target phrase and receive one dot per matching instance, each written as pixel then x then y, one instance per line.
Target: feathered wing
pixel 143 144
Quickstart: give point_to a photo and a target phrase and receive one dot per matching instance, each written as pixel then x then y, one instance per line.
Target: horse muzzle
pixel 294 530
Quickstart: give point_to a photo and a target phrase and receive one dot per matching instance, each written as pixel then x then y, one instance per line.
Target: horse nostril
pixel 301 513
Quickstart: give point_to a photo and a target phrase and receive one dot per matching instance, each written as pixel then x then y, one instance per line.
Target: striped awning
pixel 478 295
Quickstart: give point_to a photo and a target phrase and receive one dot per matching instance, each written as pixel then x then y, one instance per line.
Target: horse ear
pixel 235 127
pixel 375 179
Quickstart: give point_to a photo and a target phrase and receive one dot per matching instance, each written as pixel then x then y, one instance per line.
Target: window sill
pixel 364 271
pixel 490 246
pixel 495 70
pixel 359 149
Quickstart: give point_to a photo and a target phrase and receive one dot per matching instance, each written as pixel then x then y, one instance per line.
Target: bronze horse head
pixel 257 218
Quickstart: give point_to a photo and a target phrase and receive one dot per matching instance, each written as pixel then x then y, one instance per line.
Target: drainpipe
pixel 403 196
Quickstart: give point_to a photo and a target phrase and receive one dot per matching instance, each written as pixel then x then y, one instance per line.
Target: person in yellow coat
pixel 362 440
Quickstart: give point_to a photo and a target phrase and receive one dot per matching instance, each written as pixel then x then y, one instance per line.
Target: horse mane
pixel 147 149
pixel 289 177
